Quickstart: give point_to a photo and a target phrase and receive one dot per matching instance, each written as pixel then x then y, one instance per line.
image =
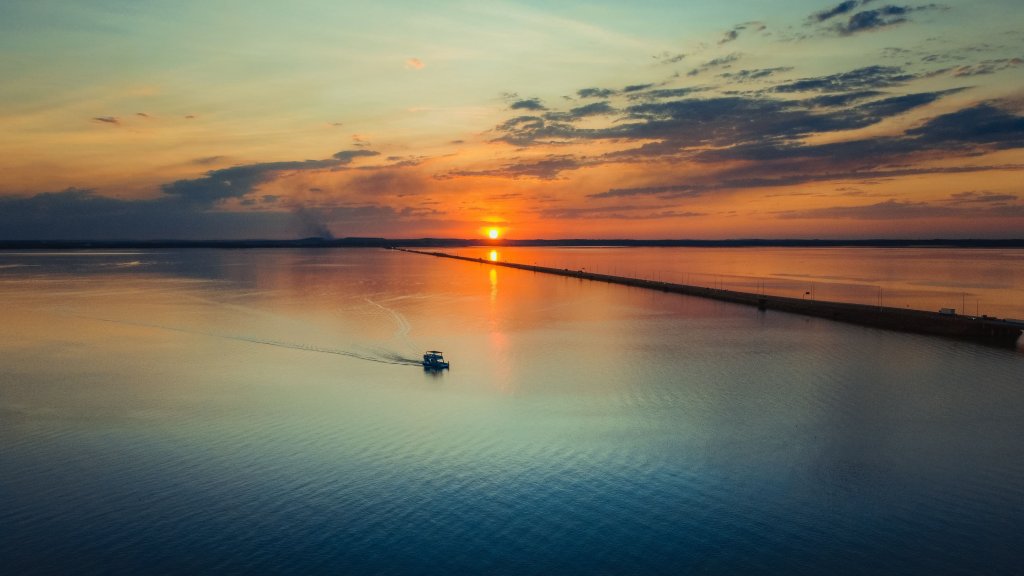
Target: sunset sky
pixel 660 119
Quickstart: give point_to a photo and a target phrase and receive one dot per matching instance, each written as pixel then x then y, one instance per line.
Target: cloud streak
pixel 987 67
pixel 548 168
pixel 866 78
pixel 734 33
pixel 528 104
pixel 715 63
pixel 872 19
pixel 900 210
pixel 837 10
pixel 239 181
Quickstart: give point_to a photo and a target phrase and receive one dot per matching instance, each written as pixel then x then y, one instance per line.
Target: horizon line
pixel 382 242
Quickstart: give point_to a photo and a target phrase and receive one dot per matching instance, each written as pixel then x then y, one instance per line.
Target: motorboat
pixel 434 360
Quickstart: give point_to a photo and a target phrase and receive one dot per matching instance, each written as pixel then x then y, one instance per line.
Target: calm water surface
pixel 185 412
pixel 969 280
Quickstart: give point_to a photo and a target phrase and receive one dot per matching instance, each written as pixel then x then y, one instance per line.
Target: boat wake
pixel 379 356
pixel 403 327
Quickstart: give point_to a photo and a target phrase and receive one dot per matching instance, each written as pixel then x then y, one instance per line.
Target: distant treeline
pixel 464 242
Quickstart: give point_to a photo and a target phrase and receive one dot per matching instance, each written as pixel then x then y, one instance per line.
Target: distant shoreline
pixel 464 242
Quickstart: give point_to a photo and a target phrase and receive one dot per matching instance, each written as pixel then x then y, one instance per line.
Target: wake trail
pixel 381 358
pixel 404 327
pixel 394 359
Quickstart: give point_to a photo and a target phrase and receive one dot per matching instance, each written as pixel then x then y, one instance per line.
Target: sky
pixel 223 119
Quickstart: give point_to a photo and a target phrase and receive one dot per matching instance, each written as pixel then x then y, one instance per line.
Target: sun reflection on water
pixel 494 284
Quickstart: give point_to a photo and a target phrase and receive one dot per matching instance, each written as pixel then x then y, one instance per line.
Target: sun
pixel 492 233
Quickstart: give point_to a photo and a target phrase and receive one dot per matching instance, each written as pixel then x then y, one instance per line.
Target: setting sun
pixel 492 233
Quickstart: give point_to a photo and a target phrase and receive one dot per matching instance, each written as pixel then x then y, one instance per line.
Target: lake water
pixel 260 411
pixel 971 281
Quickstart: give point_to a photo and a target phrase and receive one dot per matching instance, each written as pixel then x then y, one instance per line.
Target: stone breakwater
pixel 984 329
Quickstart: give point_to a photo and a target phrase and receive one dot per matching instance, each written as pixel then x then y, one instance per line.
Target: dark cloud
pixel 867 78
pixel 780 157
pixel 142 115
pixel 723 62
pixel 874 19
pixel 961 53
pixel 739 123
pixel 673 191
pixel 663 93
pixel 981 198
pixel 618 212
pixel 83 214
pixel 982 124
pixel 834 100
pixel 78 214
pixel 595 93
pixel 796 174
pixel 396 162
pixel 877 110
pixel 636 88
pixel 594 109
pixel 546 169
pixel 837 10
pixel 238 181
pixel 865 20
pixel 528 104
pixel 735 120
pixel 521 123
pixel 756 74
pixel 529 130
pixel 765 134
pixel 987 67
pixel 347 156
pixel 107 119
pixel 707 121
pixel 234 182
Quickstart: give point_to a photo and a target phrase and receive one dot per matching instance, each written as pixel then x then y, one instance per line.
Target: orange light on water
pixel 493 255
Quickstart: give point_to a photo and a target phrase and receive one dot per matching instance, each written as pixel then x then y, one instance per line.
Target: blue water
pixel 190 412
